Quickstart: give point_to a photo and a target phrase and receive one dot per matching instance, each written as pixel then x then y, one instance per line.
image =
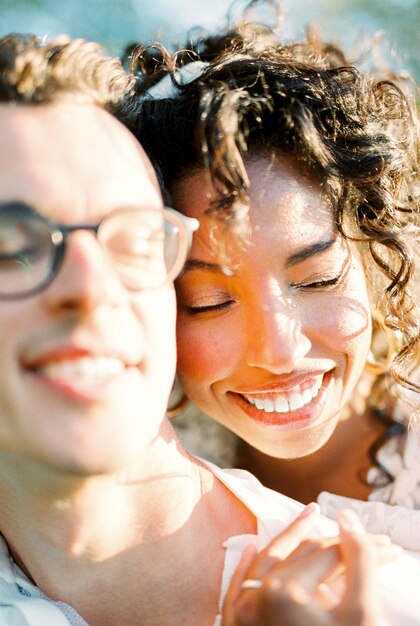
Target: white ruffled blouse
pixel 392 509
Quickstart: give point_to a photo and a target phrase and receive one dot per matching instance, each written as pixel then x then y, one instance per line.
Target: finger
pixel 231 597
pixel 291 594
pixel 385 550
pixel 307 546
pixel 288 611
pixel 300 577
pixel 305 574
pixel 240 606
pixel 360 603
pixel 285 542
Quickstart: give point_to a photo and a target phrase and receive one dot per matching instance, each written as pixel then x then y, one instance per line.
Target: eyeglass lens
pixel 25 252
pixel 144 249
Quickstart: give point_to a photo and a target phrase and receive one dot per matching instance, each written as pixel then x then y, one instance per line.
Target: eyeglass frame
pixel 60 232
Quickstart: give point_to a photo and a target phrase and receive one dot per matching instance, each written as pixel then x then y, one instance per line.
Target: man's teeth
pixel 85 369
pixel 286 402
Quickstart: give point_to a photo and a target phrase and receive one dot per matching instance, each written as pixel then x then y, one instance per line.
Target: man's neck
pixel 133 534
pixel 60 521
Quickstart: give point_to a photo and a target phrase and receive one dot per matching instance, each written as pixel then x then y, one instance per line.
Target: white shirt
pixel 398 582
pixel 23 604
pixel 393 509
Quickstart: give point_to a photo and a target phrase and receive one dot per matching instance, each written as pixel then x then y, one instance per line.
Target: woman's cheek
pixel 202 353
pixel 351 321
pixel 345 328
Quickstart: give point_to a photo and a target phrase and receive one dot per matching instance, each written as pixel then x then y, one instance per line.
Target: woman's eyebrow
pixel 196 264
pixel 310 251
pixel 293 259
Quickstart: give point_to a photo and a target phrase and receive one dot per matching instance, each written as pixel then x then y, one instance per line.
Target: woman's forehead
pixel 281 195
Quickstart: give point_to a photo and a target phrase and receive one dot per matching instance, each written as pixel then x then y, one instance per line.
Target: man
pixel 87 343
pixel 104 518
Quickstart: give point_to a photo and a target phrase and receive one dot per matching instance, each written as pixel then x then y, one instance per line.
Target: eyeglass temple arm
pixel 190 223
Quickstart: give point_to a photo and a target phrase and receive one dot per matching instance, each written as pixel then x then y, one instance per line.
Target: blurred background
pixel 115 23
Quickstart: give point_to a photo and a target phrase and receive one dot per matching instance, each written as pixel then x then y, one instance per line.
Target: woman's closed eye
pixel 196 302
pixel 208 308
pixel 318 284
pixel 328 275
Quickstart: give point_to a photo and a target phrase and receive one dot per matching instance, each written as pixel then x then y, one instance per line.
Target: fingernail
pixel 310 509
pixel 350 521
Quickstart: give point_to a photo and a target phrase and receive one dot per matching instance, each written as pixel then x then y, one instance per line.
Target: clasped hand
pixel 296 581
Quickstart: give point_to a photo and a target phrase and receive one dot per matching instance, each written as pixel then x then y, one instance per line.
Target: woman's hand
pixel 298 582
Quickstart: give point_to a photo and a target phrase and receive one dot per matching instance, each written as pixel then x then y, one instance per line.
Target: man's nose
pixel 86 276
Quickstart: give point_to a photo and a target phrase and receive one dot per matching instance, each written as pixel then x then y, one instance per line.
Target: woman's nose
pixel 277 342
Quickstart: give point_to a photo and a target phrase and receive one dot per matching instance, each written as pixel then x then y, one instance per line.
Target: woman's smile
pixel 295 408
pixel 276 346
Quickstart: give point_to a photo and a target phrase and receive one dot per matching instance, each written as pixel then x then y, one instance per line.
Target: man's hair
pixel 34 71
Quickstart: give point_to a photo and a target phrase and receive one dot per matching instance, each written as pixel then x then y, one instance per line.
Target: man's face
pixel 86 365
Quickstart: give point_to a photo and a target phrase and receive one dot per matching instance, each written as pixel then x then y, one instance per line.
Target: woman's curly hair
pixel 354 131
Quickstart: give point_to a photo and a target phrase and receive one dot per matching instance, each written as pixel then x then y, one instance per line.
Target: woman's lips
pixel 295 408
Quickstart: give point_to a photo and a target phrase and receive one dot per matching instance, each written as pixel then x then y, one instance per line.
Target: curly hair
pixel 357 134
pixel 34 71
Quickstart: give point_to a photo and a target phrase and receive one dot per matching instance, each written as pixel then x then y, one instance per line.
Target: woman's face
pixel 273 348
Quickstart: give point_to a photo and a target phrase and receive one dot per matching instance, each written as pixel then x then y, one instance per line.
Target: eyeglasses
pixel 147 248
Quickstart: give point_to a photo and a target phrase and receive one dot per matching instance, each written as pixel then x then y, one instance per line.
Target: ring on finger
pixel 252 583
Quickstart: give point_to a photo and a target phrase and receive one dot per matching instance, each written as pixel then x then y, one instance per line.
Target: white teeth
pixel 314 391
pixel 318 381
pixel 307 396
pixel 286 403
pixel 282 405
pixel 268 406
pixel 295 401
pixel 84 369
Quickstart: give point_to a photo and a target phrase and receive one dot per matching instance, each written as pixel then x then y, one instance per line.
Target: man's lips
pixel 87 369
pixel 85 356
pixel 77 371
pixel 297 404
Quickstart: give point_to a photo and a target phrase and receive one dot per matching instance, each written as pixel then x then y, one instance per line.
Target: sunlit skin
pixel 294 314
pixel 85 311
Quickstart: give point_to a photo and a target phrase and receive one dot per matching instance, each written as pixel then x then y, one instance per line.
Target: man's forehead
pixel 68 119
pixel 73 150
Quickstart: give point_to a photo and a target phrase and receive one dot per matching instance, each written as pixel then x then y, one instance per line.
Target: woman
pixel 297 322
